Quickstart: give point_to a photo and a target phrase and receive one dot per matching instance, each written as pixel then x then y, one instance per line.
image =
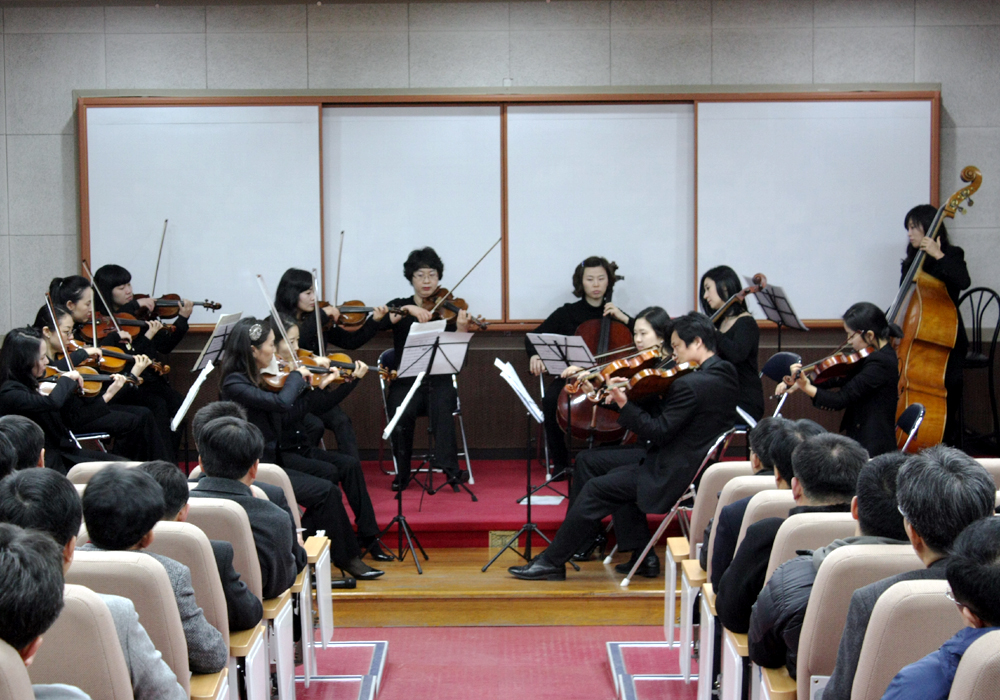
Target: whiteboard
pixel 239 185
pixel 812 194
pixel 399 178
pixel 611 180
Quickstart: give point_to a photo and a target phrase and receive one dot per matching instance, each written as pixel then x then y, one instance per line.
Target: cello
pixel 929 319
pixel 576 413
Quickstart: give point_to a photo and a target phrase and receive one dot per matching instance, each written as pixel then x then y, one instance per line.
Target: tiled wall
pixel 48 52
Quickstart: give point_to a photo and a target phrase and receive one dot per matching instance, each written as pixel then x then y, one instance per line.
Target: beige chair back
pixel 82 649
pixel 256 490
pixel 143 580
pixel 843 572
pixel 14 681
pixel 808 531
pixel 772 503
pixel 84 471
pixel 992 465
pixel 978 675
pixel 276 476
pixel 187 544
pixel 735 489
pixel 715 477
pixel 222 519
pixel 909 621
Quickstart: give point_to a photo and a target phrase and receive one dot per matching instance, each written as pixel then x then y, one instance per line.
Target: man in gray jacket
pixel 45 500
pixel 939 492
pixel 776 621
pixel 120 507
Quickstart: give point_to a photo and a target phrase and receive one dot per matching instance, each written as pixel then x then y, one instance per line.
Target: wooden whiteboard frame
pixel 503 100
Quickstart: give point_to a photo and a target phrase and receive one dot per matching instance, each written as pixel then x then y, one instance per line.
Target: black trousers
pixel 611 493
pixel 954 384
pixel 163 401
pixel 436 399
pixel 345 472
pixel 340 423
pixel 598 462
pixel 134 431
pixel 554 435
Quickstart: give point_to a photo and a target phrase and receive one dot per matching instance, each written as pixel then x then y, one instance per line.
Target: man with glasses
pixel 940 493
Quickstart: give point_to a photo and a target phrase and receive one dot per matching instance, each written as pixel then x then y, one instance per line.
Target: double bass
pixel 929 320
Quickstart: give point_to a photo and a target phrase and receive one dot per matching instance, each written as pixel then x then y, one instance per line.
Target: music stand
pixel 210 354
pixel 432 350
pixel 533 412
pixel 777 308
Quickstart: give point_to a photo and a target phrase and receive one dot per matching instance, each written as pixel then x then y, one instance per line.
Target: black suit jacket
pixel 726 532
pixel 696 409
pixel 273 533
pixel 245 610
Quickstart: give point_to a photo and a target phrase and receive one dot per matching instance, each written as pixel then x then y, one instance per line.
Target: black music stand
pixel 533 413
pixel 774 303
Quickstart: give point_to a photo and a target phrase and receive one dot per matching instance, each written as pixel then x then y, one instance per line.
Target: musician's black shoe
pixel 378 554
pixel 649 568
pixel 462 477
pixel 586 553
pixel 561 474
pixel 538 569
pixel 400 483
pixel 359 570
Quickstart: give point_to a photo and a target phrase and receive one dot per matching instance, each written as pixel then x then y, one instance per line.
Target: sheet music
pixel 213 348
pixel 450 355
pixel 557 352
pixel 189 399
pixel 510 375
pixel 773 301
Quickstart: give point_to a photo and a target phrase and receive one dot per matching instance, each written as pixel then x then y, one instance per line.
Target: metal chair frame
pixel 909 422
pixel 980 299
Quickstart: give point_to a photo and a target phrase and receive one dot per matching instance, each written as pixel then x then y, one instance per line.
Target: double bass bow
pixel 929 320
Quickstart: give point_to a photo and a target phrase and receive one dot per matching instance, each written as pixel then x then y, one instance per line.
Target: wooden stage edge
pixel 454 592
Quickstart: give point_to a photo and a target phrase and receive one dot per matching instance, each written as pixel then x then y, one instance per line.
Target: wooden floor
pixel 453 591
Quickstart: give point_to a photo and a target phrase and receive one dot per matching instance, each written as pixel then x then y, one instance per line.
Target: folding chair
pixel 89 437
pixel 776 369
pixel 909 423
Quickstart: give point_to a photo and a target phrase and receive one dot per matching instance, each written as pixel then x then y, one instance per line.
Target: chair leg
pixel 649 545
pixel 706 652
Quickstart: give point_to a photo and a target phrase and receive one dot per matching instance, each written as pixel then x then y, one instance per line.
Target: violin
pixel 759 283
pixel 112 360
pixel 169 306
pixel 446 306
pixel 651 382
pixel 127 322
pixel 833 366
pixel 93 380
pixel 624 367
pixel 353 314
pixel 337 360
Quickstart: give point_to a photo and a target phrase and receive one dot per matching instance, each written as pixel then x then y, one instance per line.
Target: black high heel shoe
pixel 359 570
pixel 586 553
pixel 377 553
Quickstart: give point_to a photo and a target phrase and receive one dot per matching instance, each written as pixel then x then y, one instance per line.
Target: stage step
pixel 453 591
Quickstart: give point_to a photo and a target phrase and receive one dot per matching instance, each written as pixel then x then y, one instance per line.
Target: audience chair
pixel 984 311
pixel 772 503
pixel 275 476
pixel 992 465
pixel 909 621
pixel 843 572
pixel 82 649
pixel 978 675
pixel 82 473
pixel 387 358
pixel 909 422
pixel 14 681
pixel 221 519
pixel 736 490
pixel 808 531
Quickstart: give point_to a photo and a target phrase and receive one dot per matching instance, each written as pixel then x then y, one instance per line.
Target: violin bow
pixel 445 297
pixel 336 286
pixel 277 319
pixel 93 316
pixel 159 255
pixel 55 329
pixel 316 311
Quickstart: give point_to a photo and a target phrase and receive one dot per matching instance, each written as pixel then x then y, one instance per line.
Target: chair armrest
pixel 315 546
pixel 299 582
pixel 680 548
pixel 778 684
pixel 240 643
pixel 273 606
pixel 739 642
pixel 208 686
pixel 693 572
pixel 708 593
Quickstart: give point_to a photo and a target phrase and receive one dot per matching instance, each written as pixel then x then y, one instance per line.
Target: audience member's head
pixel 974 572
pixel 760 439
pixel 877 513
pixel 45 500
pixel 229 448
pixel 826 469
pixel 174 485
pixel 807 427
pixel 940 492
pixel 121 506
pixel 8 457
pixel 216 409
pixel 783 444
pixel 31 587
pixel 27 439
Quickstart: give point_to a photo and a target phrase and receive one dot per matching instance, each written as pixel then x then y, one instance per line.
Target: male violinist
pixel 696 409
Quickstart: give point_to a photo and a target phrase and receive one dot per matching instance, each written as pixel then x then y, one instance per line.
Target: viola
pixel 93 381
pixel 446 306
pixel 353 314
pixel 759 283
pixel 653 382
pixel 169 306
pixel 835 366
pixel 623 367
pixel 127 322
pixel 337 360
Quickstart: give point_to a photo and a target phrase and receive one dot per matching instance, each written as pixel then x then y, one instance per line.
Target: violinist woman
pixel 868 396
pixel 249 350
pixel 296 296
pixel 651 330
pixel 947 263
pixel 592 279
pixel 156 394
pixel 132 427
pixel 22 364
pixel 737 336
pixel 436 397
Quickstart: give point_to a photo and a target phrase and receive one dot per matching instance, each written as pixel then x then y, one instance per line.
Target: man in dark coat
pixel 696 409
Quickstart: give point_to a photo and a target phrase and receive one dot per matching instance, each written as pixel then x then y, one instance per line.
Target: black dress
pixel 739 346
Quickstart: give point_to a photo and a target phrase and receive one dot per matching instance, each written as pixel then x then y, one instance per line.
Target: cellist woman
pixel 737 336
pixel 868 396
pixel 592 279
pixel 947 263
